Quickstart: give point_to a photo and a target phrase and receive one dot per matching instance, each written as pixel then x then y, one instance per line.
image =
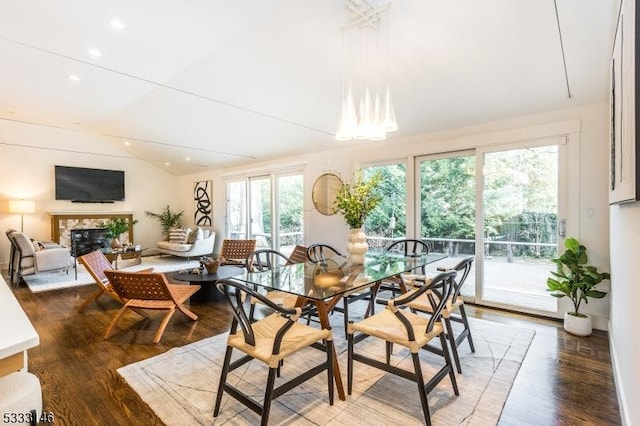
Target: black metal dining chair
pixel 269 340
pixel 265 260
pixel 408 247
pixel 456 303
pixel 402 327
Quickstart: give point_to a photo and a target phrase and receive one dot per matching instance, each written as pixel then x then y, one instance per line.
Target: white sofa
pixel 199 247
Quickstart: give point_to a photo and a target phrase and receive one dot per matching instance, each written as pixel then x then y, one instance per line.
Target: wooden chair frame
pixel 409 247
pixel 287 319
pixel 266 260
pixel 298 255
pixel 96 263
pixel 438 291
pixel 462 270
pixel 149 291
pixel 320 252
pixel 234 252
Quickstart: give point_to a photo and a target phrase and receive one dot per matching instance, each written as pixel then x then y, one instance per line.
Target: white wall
pixel 625 294
pixel 28 155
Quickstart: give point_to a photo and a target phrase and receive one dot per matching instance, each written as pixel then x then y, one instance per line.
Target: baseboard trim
pixel 622 406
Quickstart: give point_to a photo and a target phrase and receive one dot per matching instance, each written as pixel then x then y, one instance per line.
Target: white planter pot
pixel 357 246
pixel 579 326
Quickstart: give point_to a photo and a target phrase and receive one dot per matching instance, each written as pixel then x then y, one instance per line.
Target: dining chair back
pixel 269 340
pixel 265 260
pixel 456 303
pixel 298 255
pixel 149 291
pixel 402 327
pixel 408 247
pixel 234 252
pixel 320 252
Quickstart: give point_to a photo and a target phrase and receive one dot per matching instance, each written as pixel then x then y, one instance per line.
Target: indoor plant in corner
pixel 354 202
pixel 576 279
pixel 167 219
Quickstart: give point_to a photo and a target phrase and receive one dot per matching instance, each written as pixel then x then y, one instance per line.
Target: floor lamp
pixel 22 207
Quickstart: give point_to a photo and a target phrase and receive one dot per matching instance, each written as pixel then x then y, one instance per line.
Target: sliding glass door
pixel 446 194
pixel 267 208
pixel 290 211
pixel 260 214
pixel 520 203
pixel 500 204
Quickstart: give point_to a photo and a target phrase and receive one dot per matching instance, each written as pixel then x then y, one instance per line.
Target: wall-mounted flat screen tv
pixel 84 185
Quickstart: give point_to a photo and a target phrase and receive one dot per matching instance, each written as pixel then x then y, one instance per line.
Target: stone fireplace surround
pixel 63 222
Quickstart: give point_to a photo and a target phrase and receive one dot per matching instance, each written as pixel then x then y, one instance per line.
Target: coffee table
pixel 209 292
pixel 114 255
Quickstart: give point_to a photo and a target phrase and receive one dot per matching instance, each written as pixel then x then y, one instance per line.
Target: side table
pixel 209 291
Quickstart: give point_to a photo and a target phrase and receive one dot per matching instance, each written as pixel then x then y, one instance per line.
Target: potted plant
pixel 354 201
pixel 114 228
pixel 167 219
pixel 576 279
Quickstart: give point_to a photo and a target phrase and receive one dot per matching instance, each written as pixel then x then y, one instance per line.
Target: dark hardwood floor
pixel 563 380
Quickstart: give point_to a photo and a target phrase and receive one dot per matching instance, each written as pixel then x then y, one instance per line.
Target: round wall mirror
pixel 324 192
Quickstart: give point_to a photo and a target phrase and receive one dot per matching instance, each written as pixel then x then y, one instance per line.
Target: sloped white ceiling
pixel 229 81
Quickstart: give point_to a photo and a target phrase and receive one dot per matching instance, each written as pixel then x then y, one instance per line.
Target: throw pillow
pixel 178 236
pixel 199 233
pixel 196 234
pixel 192 236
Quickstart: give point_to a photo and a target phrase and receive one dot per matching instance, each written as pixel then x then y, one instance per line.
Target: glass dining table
pixel 325 283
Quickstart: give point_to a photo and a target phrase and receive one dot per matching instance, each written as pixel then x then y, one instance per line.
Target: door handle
pixel 562 228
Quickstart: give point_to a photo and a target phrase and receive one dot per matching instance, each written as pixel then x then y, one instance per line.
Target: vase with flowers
pixel 354 201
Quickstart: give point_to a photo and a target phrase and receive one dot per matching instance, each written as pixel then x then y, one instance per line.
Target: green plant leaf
pixel 357 199
pixel 579 278
pixel 167 219
pixel 116 227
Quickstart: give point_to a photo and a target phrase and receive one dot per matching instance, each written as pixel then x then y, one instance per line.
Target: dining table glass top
pixel 336 275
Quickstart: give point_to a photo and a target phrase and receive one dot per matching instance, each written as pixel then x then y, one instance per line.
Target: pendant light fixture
pixel 367 110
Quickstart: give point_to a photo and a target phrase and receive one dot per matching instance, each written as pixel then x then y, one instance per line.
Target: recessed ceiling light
pixel 117 24
pixel 74 77
pixel 167 164
pixel 95 52
pixel 188 159
pixel 127 143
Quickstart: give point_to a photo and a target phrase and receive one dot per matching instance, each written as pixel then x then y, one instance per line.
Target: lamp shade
pixel 22 206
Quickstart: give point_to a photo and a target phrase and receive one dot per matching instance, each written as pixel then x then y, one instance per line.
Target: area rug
pixel 180 385
pixel 60 279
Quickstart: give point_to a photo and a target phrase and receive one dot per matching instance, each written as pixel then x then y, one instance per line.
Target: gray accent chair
pixel 14 250
pixel 34 257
